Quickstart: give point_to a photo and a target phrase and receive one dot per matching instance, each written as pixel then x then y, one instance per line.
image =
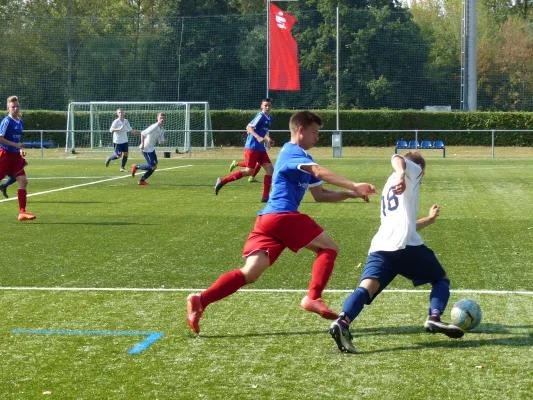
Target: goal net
pixel 187 124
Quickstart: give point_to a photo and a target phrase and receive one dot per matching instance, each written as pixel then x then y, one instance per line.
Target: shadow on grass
pixel 94 223
pixel 68 202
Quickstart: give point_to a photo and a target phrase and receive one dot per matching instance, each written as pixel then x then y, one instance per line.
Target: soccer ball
pixel 466 314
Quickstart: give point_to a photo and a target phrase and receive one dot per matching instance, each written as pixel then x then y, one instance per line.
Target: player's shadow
pixel 67 202
pixel 107 223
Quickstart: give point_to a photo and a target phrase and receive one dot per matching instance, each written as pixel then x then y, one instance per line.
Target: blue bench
pixel 47 144
pixel 425 145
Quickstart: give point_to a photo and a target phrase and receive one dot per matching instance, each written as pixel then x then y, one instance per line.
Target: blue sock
pixel 9 181
pixel 439 296
pixel 144 167
pixel 124 160
pixel 355 302
pixel 147 174
pixel 113 157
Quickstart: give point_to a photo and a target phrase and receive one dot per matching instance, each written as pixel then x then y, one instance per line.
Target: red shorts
pixel 252 157
pixel 11 164
pixel 274 232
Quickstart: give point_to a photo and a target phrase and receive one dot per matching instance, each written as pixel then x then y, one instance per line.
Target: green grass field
pixel 108 239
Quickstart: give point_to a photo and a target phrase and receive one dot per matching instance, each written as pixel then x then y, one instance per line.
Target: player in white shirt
pixel 398 249
pixel 120 128
pixel 151 136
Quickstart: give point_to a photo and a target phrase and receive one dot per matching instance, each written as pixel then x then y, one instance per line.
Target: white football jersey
pixel 152 135
pixel 399 212
pixel 120 136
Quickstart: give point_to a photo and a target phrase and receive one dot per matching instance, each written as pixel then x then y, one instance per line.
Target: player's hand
pixel 399 188
pixel 354 195
pixel 22 152
pixel 434 211
pixel 135 131
pixel 363 190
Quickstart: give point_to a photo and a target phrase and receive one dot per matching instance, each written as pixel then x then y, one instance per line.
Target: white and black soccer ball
pixel 466 314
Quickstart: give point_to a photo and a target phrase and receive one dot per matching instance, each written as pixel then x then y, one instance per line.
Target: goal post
pixel 187 124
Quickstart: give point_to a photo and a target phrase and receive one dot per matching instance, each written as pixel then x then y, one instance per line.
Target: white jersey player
pixel 120 128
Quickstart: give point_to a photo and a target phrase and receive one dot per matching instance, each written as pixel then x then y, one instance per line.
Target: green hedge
pixel 356 119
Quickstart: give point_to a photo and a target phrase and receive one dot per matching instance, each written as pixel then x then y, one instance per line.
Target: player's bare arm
pixel 398 164
pixel 10 143
pixel 434 212
pixel 361 189
pixel 252 132
pixel 322 195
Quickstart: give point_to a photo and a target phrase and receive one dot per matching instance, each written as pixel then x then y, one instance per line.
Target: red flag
pixel 283 66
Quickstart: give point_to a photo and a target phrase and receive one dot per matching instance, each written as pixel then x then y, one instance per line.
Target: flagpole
pixel 268 49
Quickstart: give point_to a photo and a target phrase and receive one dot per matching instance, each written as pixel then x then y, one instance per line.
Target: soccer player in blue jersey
pixel 255 152
pixel 12 153
pixel 8 182
pixel 398 249
pixel 151 136
pixel 120 128
pixel 279 225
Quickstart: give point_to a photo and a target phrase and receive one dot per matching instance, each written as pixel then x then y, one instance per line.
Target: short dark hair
pixel 267 99
pixel 304 119
pixel 417 158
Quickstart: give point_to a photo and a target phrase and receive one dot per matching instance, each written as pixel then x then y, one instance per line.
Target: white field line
pixel 90 183
pixel 88 289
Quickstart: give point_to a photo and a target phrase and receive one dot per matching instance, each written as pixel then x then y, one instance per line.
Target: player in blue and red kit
pixel 12 153
pixel 255 152
pixel 279 225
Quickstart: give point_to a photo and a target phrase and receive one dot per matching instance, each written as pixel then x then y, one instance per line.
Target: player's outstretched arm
pixel 360 189
pixel 321 195
pixel 398 164
pixel 434 212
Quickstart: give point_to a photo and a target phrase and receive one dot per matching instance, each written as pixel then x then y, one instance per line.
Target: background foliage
pixel 53 52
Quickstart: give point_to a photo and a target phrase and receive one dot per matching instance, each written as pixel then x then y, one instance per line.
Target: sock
pixel 224 286
pixel 124 160
pixel 147 174
pixel 144 167
pixel 355 302
pixel 322 268
pixel 113 157
pixel 438 298
pixel 267 182
pixel 241 164
pixel 22 199
pixel 256 170
pixel 9 181
pixel 233 177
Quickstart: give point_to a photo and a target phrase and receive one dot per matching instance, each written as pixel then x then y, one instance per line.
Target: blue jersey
pixel 289 182
pixel 261 125
pixel 11 130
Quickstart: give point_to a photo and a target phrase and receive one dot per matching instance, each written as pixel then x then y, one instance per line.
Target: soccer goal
pixel 187 124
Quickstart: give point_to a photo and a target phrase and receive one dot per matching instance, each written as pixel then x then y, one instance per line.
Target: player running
pixel 279 225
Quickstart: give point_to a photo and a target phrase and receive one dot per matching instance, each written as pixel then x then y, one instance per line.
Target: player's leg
pixel 378 273
pixel 234 164
pixel 267 181
pixel 125 155
pixel 143 167
pixel 250 160
pixel 423 267
pixel 113 157
pixel 256 170
pixel 151 158
pixel 22 196
pixel 9 181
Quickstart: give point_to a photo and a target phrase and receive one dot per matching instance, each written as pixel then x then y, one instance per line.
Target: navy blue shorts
pixel 151 158
pixel 120 148
pixel 416 263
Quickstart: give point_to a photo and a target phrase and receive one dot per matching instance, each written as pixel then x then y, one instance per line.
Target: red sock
pixel 22 199
pixel 256 170
pixel 241 164
pixel 233 177
pixel 224 286
pixel 322 268
pixel 267 182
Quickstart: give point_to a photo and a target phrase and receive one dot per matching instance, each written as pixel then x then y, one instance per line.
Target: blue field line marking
pixel 138 348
